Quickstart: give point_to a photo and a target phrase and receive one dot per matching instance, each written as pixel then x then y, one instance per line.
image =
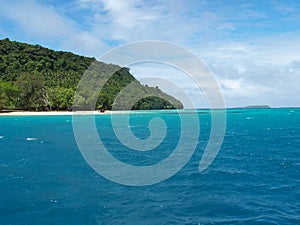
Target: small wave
pixel 31 139
pixel 249 118
pixel 130 126
pixel 1 137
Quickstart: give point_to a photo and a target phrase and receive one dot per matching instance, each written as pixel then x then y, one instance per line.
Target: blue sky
pixel 253 47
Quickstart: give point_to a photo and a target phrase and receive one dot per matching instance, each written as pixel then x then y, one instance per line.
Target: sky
pixel 251 47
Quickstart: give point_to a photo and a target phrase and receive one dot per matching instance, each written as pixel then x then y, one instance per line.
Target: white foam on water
pixel 31 139
pixel 1 137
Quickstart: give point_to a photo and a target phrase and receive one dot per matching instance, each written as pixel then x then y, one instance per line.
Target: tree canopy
pixel 36 78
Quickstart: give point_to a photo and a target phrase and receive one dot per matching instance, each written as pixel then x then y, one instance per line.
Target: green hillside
pixel 36 78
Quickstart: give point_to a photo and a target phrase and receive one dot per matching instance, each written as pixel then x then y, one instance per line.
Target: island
pixel 257 107
pixel 35 78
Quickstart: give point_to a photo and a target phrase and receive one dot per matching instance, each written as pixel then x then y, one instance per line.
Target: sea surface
pixel 255 178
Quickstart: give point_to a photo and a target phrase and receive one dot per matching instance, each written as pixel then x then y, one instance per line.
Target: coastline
pixel 68 113
pixel 71 113
pixel 60 113
pixel 80 113
pixel 52 113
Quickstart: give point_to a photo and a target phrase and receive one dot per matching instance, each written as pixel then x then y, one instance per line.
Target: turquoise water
pixel 254 179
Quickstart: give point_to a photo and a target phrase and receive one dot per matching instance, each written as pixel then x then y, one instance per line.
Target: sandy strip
pixel 68 113
pixel 52 113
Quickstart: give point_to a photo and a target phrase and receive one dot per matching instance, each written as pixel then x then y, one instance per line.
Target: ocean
pixel 255 178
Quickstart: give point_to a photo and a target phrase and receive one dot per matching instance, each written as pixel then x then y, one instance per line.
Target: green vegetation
pixel 36 78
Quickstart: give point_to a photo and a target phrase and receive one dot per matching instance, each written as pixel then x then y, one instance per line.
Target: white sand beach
pixel 51 113
pixel 63 113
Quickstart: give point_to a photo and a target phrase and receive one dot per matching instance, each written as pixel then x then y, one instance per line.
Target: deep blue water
pixel 255 178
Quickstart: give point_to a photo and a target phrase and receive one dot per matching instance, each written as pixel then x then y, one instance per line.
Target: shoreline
pixel 60 113
pixel 71 113
pixel 52 113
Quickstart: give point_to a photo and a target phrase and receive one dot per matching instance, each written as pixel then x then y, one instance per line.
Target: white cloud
pixel 43 22
pixel 85 43
pixel 132 20
pixel 259 70
pixel 37 19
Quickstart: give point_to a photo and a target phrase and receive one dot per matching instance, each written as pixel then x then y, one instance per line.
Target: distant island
pixel 252 107
pixel 35 78
pixel 257 107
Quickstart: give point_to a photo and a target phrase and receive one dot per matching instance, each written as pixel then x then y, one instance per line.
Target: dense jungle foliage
pixel 36 78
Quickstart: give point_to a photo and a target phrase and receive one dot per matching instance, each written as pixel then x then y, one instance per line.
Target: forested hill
pixel 36 78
